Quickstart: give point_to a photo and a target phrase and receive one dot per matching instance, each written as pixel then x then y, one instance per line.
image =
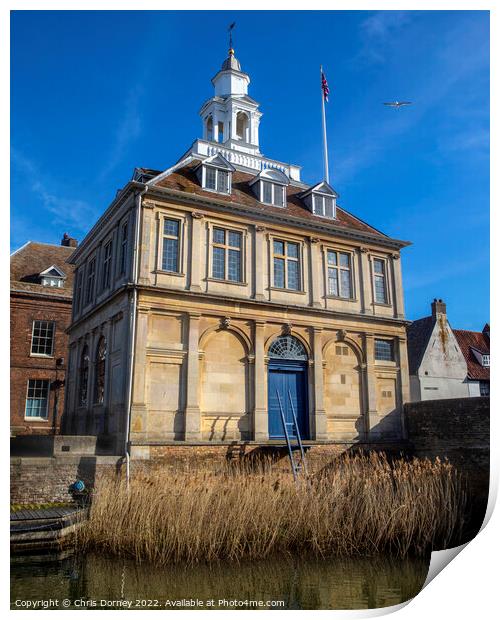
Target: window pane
pixel 210 174
pixel 380 295
pixel 234 239
pixel 279 247
pixel 42 342
pixel 171 228
pixel 344 259
pixel 383 350
pixel 329 207
pixel 267 192
pixel 218 268
pixel 378 266
pixel 170 259
pixel 332 257
pixel 292 250
pixel 222 181
pixel 279 273
pixel 219 235
pixel 345 283
pixel 234 265
pixel 293 275
pixel 333 283
pixel 37 398
pixel 318 204
pixel 278 195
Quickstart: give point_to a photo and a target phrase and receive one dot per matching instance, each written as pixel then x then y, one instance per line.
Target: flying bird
pixel 397 104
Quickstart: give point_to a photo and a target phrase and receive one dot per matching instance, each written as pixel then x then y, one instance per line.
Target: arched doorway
pixel 287 381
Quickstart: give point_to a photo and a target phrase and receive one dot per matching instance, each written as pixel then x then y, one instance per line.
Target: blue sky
pixel 94 94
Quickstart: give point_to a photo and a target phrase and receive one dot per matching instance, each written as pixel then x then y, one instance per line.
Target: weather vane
pixel 230 30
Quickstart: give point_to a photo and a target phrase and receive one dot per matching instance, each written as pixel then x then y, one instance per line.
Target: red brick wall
pixel 24 309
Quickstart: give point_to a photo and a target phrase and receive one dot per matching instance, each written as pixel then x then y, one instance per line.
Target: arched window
pixel 210 128
pixel 84 377
pixel 288 348
pixel 100 370
pixel 242 126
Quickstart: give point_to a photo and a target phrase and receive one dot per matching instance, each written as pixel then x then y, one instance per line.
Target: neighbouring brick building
pixel 41 291
pixel 446 362
pixel 210 290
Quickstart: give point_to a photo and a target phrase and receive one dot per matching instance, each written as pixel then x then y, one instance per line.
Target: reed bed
pixel 363 504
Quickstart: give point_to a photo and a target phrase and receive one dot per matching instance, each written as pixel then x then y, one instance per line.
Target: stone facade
pixel 188 350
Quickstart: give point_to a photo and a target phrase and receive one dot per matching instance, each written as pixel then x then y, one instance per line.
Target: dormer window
pixel 321 200
pixel 324 205
pixel 486 361
pixel 270 187
pixel 53 277
pixel 214 174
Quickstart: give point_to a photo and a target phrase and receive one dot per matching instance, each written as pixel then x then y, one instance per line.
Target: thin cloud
pixel 378 32
pixel 69 212
pixel 128 130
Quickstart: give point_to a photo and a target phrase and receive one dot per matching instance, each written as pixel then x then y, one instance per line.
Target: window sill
pixel 391 364
pixel 337 298
pixel 382 305
pixel 287 290
pixel 34 419
pixel 42 356
pixel 170 273
pixel 214 191
pixel 221 281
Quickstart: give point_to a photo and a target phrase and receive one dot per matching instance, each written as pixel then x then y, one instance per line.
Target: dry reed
pixel 363 504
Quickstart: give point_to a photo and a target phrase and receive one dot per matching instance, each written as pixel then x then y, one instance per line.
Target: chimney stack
pixel 438 308
pixel 68 241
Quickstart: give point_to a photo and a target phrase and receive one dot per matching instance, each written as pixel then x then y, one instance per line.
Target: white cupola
pixel 231 117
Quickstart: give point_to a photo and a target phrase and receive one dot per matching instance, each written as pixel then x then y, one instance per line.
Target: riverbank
pixel 361 505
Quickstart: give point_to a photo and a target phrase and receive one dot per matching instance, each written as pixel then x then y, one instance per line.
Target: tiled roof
pixel 185 180
pixel 29 261
pixel 474 340
pixel 418 334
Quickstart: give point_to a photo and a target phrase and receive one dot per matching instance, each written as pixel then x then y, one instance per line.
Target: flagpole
pixel 325 145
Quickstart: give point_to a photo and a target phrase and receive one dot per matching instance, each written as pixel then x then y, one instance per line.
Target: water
pixel 95 582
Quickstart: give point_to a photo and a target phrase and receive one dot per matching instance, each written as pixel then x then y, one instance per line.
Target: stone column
pixel 139 410
pixel 196 252
pixel 404 377
pixel 260 417
pixel 320 432
pixel 399 308
pixel 260 245
pixel 366 282
pixel 316 271
pixel 107 333
pixel 192 418
pixel 371 391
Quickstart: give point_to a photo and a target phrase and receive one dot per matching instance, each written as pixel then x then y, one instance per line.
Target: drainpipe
pixel 133 322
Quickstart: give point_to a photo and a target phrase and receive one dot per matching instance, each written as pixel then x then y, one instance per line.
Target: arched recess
pixel 242 126
pixel 224 385
pixel 343 389
pixel 210 128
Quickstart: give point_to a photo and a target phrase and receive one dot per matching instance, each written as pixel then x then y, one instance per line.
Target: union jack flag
pixel 324 86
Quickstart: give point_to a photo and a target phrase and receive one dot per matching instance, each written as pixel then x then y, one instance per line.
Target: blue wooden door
pixel 287 379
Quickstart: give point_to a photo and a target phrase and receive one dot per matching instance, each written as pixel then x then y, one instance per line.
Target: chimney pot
pixel 68 241
pixel 438 307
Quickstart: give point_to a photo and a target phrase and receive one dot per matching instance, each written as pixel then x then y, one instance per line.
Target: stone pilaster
pixel 192 417
pixel 404 377
pixel 320 431
pixel 260 245
pixel 196 253
pixel 399 308
pixel 316 271
pixel 366 282
pixel 371 392
pixel 139 410
pixel 260 418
